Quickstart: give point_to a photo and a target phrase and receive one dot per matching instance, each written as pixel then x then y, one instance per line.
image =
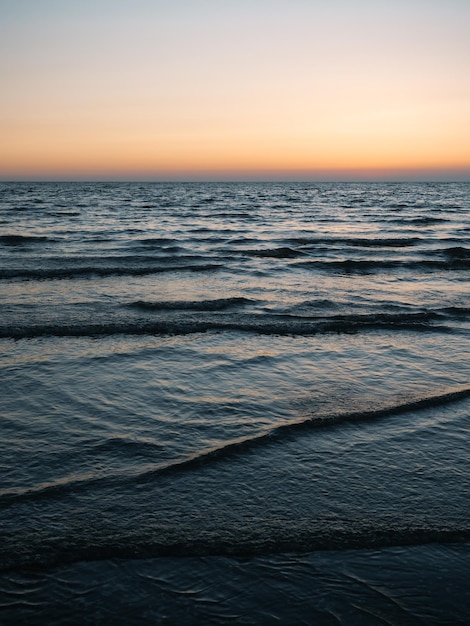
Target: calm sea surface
pixel 234 403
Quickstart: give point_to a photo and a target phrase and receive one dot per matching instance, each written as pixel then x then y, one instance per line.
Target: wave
pixel 457 252
pixel 93 271
pixel 230 448
pixel 44 548
pixel 423 220
pixel 219 304
pixel 323 303
pixel 22 240
pixel 395 242
pixel 63 213
pixel 363 242
pixel 281 432
pixel 156 241
pixel 277 253
pixel 215 320
pixel 366 266
pixel 456 311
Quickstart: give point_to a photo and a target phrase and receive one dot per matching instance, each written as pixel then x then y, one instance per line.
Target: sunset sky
pixel 253 89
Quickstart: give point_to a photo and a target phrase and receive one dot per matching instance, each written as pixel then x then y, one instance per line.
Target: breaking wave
pixel 201 458
pixel 254 536
pixel 183 322
pixel 219 304
pixel 23 240
pixel 93 271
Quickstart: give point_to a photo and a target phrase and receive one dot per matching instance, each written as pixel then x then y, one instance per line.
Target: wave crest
pixel 237 446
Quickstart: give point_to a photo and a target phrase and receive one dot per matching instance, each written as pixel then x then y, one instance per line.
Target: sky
pixel 245 90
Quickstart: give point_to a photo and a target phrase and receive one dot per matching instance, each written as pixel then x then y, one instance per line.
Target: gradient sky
pixel 206 89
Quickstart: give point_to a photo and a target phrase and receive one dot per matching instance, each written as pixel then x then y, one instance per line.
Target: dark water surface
pixel 234 403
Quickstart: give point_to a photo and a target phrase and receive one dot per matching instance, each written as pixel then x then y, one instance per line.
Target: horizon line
pixel 366 175
pixel 232 180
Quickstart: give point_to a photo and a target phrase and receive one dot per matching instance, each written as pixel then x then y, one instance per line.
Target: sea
pixel 234 403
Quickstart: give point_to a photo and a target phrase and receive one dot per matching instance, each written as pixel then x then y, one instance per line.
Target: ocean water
pixel 234 403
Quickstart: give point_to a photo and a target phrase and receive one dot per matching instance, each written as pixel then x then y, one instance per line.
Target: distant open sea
pixel 234 403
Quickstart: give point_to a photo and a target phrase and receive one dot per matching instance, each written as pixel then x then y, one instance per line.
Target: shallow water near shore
pixel 235 402
pixel 390 585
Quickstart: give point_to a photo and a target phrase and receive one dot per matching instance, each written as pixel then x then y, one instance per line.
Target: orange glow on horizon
pixel 114 156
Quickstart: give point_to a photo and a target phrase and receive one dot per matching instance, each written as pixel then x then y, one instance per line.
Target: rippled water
pixel 268 381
